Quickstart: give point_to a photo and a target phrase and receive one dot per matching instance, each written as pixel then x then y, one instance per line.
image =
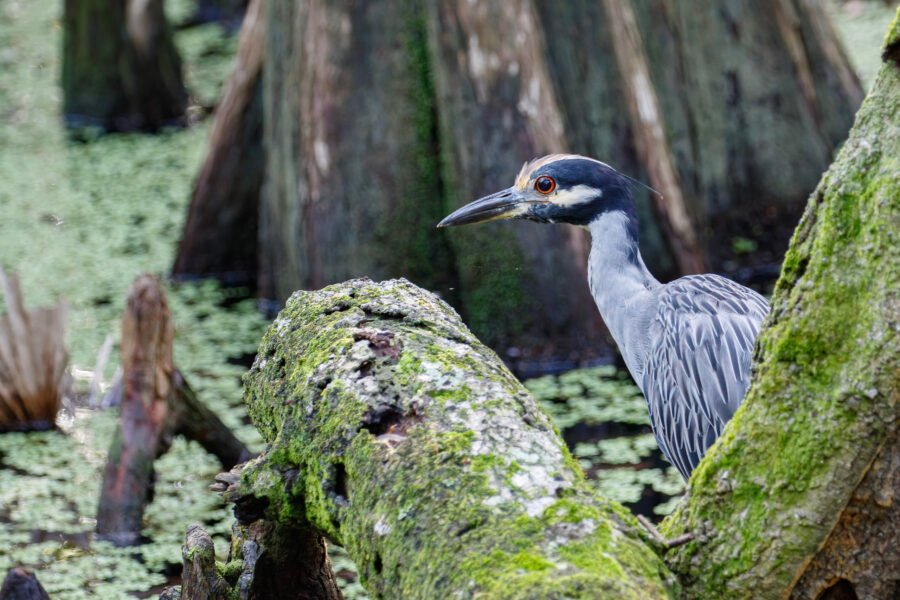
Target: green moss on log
pixel 823 399
pixel 397 434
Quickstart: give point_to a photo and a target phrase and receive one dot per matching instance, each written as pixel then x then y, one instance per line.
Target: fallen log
pixel 156 404
pixel 394 432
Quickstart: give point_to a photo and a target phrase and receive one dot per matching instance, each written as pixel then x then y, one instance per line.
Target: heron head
pixel 559 188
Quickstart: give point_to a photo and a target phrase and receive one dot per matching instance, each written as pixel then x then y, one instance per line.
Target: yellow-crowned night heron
pixel 688 343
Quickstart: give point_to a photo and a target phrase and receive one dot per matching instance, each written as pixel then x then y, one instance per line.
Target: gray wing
pixel 698 366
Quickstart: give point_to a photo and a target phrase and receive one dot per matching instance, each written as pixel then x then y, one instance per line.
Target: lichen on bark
pixel 407 441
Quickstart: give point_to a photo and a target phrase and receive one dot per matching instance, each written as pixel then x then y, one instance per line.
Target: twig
pixel 658 537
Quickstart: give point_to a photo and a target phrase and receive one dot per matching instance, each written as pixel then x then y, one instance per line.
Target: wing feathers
pixel 699 364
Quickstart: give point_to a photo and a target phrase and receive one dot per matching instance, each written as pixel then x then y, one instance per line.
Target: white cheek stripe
pixel 576 195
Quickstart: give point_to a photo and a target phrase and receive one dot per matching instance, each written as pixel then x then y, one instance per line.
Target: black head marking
pixel 597 187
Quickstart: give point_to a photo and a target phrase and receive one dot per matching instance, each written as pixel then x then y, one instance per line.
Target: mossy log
pixel 396 433
pixel 799 497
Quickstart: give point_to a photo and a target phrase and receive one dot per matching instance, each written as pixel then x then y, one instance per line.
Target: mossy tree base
pixel 799 496
pixel 265 561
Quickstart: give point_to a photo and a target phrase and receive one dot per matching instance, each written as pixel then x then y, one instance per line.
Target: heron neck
pixel 622 285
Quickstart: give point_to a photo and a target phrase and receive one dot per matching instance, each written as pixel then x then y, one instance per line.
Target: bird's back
pixel 698 363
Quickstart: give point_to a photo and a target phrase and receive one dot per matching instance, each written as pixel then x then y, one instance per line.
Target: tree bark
pixel 730 103
pixel 156 403
pixel 749 137
pixel 798 498
pixel 380 120
pixel 396 433
pixel 121 70
pixel 221 231
pixel 650 138
pixel 522 284
pixel 353 185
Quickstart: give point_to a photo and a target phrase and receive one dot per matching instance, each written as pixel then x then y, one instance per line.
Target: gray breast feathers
pixel 698 364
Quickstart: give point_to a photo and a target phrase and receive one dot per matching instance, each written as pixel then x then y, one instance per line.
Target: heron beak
pixel 505 204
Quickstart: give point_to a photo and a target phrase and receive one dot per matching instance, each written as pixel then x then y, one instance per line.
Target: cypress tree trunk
pixel 753 103
pixel 381 118
pixel 121 70
pixel 221 231
pixel 353 182
pixel 751 99
pixel 522 284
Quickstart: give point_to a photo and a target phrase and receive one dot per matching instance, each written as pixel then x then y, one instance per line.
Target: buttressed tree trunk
pixel 382 117
pixel 522 284
pixel 220 235
pixel 750 98
pixel 353 183
pixel 121 70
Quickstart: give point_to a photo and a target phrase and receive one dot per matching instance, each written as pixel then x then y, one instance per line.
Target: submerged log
pixel 22 584
pixel 397 434
pixel 156 404
pixel 33 361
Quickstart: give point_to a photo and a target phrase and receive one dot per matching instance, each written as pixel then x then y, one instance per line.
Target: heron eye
pixel 545 184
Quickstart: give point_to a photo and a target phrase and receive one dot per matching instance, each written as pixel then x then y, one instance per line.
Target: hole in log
pixel 892 52
pixel 389 421
pixel 365 369
pixel 466 528
pixel 376 564
pixel 840 590
pixel 248 509
pixel 382 421
pixel 340 481
pixel 339 307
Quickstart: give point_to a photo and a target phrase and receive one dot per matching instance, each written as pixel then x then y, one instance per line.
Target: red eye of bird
pixel 545 184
